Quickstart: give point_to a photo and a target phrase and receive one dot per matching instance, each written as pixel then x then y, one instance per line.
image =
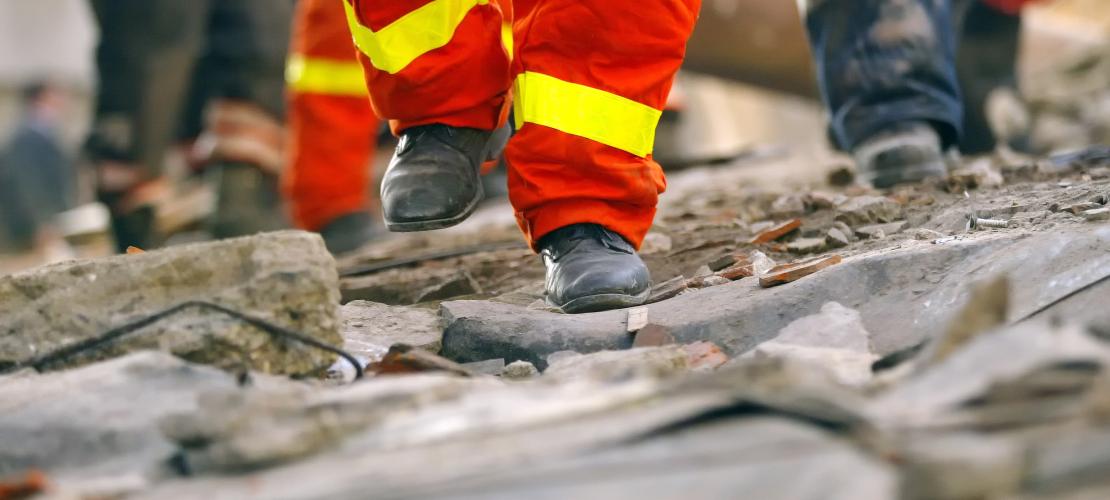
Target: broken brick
pixel 740 270
pixel 28 485
pixel 777 231
pixel 653 335
pixel 402 359
pixel 667 289
pixel 787 273
pixel 704 356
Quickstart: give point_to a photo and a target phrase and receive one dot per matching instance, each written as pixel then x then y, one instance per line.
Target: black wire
pixel 276 331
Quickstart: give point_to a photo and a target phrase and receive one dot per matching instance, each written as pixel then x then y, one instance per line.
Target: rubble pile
pixel 947 340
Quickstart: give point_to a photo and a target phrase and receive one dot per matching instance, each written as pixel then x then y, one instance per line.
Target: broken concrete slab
pixel 834 339
pixel 369 328
pixel 85 422
pixel 287 278
pixel 653 362
pixel 930 279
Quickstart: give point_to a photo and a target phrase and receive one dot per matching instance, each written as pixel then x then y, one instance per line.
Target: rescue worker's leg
pixel 146 53
pixel 331 129
pixel 887 74
pixel 438 70
pixel 240 88
pixel 987 67
pixel 591 80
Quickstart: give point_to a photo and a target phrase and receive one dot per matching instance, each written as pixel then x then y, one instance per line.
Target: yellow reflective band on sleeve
pixel 324 76
pixel 425 29
pixel 586 112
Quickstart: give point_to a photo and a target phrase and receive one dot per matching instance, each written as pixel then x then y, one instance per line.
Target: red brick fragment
pixel 777 232
pixel 402 359
pixel 786 273
pixel 26 486
pixel 704 356
pixel 741 270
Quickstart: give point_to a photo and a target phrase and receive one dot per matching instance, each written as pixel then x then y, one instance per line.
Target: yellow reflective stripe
pixel 507 38
pixel 585 111
pixel 428 28
pixel 324 76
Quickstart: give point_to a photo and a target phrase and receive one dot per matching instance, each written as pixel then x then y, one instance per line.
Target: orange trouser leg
pixel 330 124
pixel 592 165
pixel 434 61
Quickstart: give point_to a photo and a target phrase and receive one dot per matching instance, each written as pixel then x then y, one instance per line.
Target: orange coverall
pixel 587 80
pixel 331 127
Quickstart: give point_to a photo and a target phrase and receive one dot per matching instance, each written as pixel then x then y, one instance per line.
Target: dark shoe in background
pixel 590 268
pixel 247 200
pixel 350 232
pixel 901 154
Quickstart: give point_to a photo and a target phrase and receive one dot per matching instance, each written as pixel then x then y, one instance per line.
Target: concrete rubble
pixel 822 342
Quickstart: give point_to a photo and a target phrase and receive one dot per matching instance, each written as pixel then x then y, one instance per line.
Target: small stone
pixel 787 273
pixel 667 289
pixel 704 356
pixel 835 238
pixel 880 231
pixel 707 281
pixel 637 319
pixel 863 210
pixel 761 263
pixel 1096 215
pixel 806 245
pixel 723 262
pixel 923 234
pixel 787 205
pixel 653 336
pixel 519 370
pixel 462 283
pixel 703 271
pixel 777 231
pixel 823 200
pixel 846 229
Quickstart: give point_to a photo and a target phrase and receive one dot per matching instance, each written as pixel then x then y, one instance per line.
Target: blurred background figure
pixel 36 176
pixel 201 72
pixel 331 130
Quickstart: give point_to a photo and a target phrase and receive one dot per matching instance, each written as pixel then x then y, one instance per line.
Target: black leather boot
pixel 349 232
pixel 433 180
pixel 590 268
pixel 905 153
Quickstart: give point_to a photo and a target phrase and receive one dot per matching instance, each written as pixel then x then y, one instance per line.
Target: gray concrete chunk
pixel 287 278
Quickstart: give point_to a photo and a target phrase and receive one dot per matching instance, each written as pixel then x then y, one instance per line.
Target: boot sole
pixel 891 177
pixel 603 302
pixel 492 151
pixel 432 224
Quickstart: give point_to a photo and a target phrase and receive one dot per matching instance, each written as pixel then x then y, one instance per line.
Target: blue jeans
pixel 881 62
